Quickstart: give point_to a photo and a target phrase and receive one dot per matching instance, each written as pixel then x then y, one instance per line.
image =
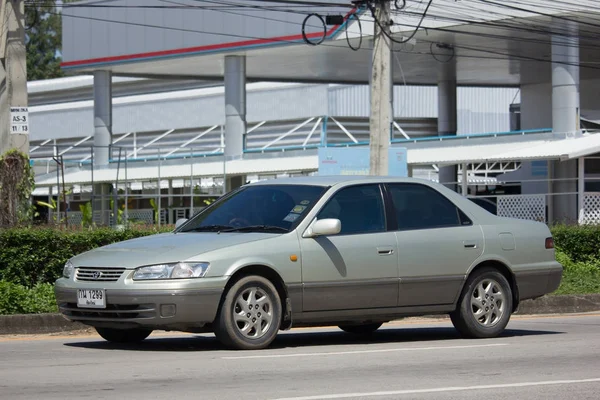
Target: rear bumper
pixel 536 283
pixel 161 308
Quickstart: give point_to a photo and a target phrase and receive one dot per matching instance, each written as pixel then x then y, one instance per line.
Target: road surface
pixel 537 358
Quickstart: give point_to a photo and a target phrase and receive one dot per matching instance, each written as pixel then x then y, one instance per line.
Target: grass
pixel 581 277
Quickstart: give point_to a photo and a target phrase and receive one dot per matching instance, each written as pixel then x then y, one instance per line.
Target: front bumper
pixel 164 306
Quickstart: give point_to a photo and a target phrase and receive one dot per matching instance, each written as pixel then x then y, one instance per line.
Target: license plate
pixel 91 298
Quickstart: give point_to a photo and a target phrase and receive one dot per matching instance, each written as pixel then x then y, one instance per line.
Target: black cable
pixel 400 7
pixel 412 35
pixel 443 46
pixel 538 13
pixel 503 55
pixel 355 15
pixel 322 39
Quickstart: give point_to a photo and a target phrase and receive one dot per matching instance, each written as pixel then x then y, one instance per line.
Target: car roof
pixel 332 180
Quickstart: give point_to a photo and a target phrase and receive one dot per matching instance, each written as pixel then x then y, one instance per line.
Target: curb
pixel 36 324
pixel 561 304
pixel 31 324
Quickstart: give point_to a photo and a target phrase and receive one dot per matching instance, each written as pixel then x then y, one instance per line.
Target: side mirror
pixel 325 227
pixel 180 222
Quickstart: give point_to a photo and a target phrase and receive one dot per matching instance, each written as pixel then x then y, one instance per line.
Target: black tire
pixel 364 329
pixel 488 319
pixel 255 320
pixel 123 335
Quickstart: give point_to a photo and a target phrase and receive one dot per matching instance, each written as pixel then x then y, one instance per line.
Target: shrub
pixel 29 256
pixel 580 243
pixel 17 299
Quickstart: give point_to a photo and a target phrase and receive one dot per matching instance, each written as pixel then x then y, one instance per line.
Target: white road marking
pixel 443 389
pixel 339 353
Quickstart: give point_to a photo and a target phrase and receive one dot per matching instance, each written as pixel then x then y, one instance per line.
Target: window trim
pixel 380 186
pixel 459 211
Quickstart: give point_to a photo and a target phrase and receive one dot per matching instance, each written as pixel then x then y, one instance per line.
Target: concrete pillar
pixel 447 115
pixel 102 140
pixel 102 117
pixel 565 79
pixel 235 106
pixel 565 116
pixel 234 182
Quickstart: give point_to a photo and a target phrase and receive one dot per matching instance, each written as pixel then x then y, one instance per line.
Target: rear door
pixel 437 243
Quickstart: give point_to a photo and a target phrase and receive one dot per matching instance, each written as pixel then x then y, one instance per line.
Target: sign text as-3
pixel 19 120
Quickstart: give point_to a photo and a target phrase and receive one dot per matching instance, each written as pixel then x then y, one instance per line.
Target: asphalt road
pixel 552 357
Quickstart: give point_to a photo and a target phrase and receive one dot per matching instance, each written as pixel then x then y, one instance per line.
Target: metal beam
pixel 344 130
pixel 156 139
pixel 116 141
pixel 288 133
pixel 75 145
pixel 45 142
pixel 209 130
pixel 312 131
pixel 255 127
pixel 401 130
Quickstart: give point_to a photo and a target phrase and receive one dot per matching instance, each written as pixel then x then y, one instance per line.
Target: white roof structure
pixel 421 152
pixel 549 148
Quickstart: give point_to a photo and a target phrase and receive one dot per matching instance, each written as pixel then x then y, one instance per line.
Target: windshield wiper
pixel 257 228
pixel 211 228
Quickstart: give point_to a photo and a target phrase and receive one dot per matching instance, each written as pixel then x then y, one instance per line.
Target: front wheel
pixel 250 315
pixel 485 305
pixel 123 335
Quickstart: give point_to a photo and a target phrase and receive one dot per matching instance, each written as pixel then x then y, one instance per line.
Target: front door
pixel 357 268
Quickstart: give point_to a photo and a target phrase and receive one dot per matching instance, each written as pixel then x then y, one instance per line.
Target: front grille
pixel 111 312
pixel 90 274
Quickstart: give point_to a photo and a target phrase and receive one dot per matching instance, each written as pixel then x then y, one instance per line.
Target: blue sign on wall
pixel 355 161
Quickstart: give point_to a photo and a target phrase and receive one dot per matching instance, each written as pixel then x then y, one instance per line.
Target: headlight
pixel 68 269
pixel 171 271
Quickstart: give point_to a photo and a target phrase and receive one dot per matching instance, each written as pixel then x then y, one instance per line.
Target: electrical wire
pixel 355 15
pixel 389 36
pixel 305 37
pixel 399 7
pixel 441 45
pixel 490 51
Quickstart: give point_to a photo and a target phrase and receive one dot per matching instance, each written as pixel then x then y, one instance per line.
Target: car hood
pixel 162 248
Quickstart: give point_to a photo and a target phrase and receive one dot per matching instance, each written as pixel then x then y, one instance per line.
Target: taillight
pixel 549 243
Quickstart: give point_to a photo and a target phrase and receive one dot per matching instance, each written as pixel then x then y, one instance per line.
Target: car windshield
pixel 265 208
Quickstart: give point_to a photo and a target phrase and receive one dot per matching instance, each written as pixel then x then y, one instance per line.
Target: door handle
pixel 385 251
pixel 470 244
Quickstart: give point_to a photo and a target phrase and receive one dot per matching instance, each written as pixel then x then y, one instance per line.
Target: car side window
pixel 359 208
pixel 421 207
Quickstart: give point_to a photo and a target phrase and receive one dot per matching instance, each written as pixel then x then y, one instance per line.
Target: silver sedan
pixel 349 251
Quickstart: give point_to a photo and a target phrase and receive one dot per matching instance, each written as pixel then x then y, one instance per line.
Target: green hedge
pixel 580 243
pixel 31 259
pixel 18 299
pixel 29 256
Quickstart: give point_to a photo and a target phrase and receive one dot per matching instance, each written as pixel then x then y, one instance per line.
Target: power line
pixel 492 51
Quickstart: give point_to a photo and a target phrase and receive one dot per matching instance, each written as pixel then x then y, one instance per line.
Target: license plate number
pixel 91 298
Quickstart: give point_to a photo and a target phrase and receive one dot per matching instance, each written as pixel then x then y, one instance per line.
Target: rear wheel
pixel 485 305
pixel 123 335
pixel 250 315
pixel 363 329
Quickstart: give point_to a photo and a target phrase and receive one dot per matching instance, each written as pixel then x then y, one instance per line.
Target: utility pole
pixel 380 121
pixel 14 118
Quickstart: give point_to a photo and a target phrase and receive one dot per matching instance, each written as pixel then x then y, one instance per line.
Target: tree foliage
pixel 43 39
